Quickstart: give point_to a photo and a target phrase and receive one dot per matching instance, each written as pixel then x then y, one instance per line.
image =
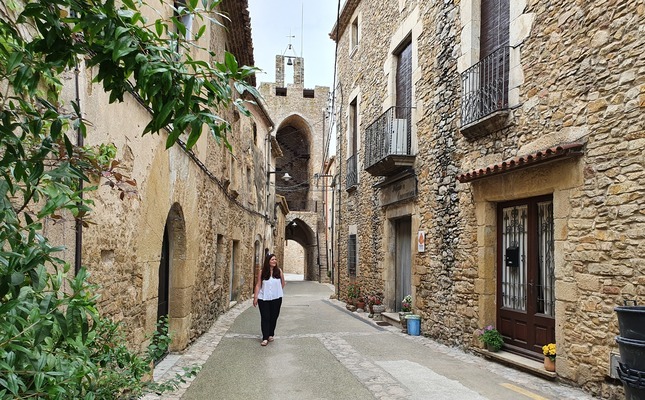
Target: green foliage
pixel 53 342
pixel 406 304
pixel 353 290
pixel 491 337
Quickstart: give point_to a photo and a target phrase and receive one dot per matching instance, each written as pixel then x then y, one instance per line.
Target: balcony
pixel 388 142
pixel 352 173
pixel 484 103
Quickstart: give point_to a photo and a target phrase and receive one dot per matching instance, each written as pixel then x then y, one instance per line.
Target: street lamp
pixel 285 178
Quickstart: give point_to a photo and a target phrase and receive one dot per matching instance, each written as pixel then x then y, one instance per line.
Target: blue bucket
pixel 414 324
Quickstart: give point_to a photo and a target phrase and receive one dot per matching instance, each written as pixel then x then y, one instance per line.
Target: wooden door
pixel 164 277
pixel 403 259
pixel 525 275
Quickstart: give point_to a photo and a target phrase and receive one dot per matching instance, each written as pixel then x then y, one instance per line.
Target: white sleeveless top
pixel 271 289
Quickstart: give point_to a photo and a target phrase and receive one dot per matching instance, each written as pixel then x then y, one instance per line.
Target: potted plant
pixel 375 303
pixel 549 352
pixel 353 293
pixel 490 337
pixel 406 309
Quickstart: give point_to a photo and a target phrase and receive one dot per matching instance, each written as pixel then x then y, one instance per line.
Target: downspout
pixel 78 245
pixel 333 226
pixel 338 142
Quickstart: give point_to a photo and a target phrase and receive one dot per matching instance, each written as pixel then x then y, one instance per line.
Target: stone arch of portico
pixel 300 232
pixel 180 286
pixel 294 135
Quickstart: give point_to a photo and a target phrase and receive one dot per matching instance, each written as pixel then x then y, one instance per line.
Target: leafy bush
pixel 491 337
pixel 353 291
pixel 53 342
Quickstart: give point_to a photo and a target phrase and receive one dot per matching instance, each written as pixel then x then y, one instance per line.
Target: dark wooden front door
pixel 164 277
pixel 403 259
pixel 525 274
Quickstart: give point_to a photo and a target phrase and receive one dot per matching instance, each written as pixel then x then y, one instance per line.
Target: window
pixel 402 134
pixel 351 256
pixel 354 35
pixel 281 91
pixel 485 85
pixel 494 26
pixel 352 145
pixel 185 18
pixel 249 186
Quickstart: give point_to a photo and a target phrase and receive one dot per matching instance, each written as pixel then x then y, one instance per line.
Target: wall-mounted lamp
pixel 286 177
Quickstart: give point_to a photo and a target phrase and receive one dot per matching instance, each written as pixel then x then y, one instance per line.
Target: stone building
pixel 492 165
pixel 300 116
pixel 189 243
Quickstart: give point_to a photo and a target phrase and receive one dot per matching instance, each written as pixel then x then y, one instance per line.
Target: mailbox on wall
pixel 512 256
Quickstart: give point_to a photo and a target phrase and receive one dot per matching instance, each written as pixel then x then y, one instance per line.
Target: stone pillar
pixel 298 71
pixel 279 71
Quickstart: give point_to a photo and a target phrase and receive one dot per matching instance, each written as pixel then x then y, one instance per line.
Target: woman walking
pixel 268 295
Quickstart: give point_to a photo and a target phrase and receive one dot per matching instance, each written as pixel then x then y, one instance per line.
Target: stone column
pixel 298 71
pixel 279 71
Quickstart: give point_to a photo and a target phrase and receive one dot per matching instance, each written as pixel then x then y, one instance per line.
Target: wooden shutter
pixel 404 77
pixel 494 26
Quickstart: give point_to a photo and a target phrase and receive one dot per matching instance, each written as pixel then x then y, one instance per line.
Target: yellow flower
pixel 549 350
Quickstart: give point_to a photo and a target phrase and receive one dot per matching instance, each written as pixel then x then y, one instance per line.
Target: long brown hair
pixel 266 268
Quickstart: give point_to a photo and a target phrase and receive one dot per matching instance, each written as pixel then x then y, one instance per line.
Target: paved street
pixel 322 351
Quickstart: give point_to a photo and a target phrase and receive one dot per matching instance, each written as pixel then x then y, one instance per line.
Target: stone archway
pixel 299 231
pixel 294 137
pixel 179 287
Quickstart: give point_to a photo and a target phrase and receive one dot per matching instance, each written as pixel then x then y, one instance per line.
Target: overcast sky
pixel 310 21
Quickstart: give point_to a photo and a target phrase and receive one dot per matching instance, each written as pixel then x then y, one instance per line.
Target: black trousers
pixel 269 313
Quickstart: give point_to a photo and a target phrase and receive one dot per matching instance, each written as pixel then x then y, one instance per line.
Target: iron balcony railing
pixel 390 134
pixel 485 87
pixel 352 172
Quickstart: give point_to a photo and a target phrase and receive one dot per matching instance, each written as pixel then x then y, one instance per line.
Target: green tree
pixel 54 343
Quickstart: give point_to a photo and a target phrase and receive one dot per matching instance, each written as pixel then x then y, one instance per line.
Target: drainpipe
pixel 78 246
pixel 266 174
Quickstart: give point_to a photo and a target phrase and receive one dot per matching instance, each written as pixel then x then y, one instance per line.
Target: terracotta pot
pixel 360 304
pixel 492 348
pixel 549 364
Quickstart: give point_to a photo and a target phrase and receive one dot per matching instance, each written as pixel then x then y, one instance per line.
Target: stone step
pixel 392 318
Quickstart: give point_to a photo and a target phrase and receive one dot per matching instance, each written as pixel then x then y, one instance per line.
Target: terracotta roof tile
pixel 528 160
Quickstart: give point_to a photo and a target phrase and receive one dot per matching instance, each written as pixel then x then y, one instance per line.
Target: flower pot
pixel 377 310
pixel 491 348
pixel 631 322
pixel 403 321
pixel 632 353
pixel 549 364
pixel 633 382
pixel 360 304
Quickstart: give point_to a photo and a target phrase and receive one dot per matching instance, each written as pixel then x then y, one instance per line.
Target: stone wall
pixel 301 113
pixel 211 200
pixel 576 76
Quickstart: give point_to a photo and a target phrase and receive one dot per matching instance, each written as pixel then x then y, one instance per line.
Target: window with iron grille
pixel 351 256
pixel 485 84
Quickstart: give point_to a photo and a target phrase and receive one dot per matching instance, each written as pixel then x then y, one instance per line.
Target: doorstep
pixel 512 360
pixel 509 359
pixel 392 318
pixel 516 361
